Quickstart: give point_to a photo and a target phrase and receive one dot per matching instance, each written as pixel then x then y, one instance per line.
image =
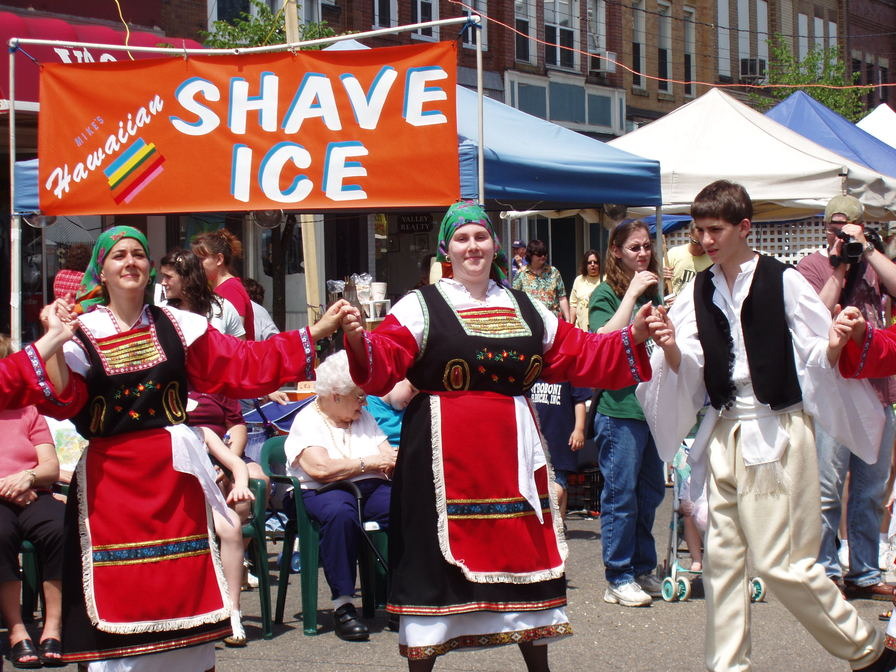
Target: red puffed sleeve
pixel 390 351
pixel 241 369
pixel 609 361
pixel 24 381
pixel 874 358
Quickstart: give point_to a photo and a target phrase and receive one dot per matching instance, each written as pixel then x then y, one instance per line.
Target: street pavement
pixel 664 636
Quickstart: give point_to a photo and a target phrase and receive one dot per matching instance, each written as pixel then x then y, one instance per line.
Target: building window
pixel 818 30
pixel 638 37
pixel 598 60
pixel 385 13
pixel 802 26
pixel 664 47
pixel 690 44
pixel 524 46
pixel 762 30
pixel 597 26
pixel 309 11
pixel 832 35
pixel 568 100
pixel 423 11
pixel 742 7
pixel 228 10
pixel 479 7
pixel 723 36
pixel 560 33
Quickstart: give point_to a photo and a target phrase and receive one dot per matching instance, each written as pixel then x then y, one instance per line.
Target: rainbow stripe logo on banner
pixel 139 165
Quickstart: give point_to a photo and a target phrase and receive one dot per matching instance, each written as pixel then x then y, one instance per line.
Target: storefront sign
pixel 414 223
pixel 312 131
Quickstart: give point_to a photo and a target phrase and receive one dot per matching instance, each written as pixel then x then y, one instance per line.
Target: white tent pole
pixel 16 41
pixel 480 149
pixel 15 222
pixel 660 249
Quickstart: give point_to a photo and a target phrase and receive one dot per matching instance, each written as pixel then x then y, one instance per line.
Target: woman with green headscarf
pixel 142 573
pixel 476 544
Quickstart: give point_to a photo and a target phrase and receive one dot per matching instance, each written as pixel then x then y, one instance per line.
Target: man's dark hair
pixel 723 200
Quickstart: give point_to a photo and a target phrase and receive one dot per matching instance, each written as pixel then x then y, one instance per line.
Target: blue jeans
pixel 633 489
pixel 867 489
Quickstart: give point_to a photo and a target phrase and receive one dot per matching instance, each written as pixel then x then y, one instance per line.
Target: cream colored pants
pixel 783 533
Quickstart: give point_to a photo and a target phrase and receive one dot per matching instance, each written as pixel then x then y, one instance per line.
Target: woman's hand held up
pixel 640 282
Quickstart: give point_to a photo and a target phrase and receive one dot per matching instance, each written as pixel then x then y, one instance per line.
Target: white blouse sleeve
pixel 847 409
pixel 671 400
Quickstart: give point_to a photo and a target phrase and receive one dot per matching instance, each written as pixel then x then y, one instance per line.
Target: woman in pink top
pixel 217 249
pixel 28 510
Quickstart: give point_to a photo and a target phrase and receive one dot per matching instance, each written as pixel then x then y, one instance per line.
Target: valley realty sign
pixel 310 130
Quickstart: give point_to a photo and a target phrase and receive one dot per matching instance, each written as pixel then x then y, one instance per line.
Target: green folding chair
pixel 258 552
pixel 372 572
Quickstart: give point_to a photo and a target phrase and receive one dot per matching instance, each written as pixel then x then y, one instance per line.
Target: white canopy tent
pixel 881 123
pixel 787 175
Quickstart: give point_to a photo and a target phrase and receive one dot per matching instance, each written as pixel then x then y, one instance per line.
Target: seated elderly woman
pixel 334 438
pixel 28 510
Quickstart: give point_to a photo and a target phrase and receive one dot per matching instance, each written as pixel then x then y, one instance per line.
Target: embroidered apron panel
pixel 486 526
pixel 164 561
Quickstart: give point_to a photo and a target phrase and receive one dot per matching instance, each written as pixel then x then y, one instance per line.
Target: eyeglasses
pixel 539 254
pixel 360 398
pixel 634 249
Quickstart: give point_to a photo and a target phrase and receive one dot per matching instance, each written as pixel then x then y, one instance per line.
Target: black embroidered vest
pixel 487 349
pixel 766 339
pixel 137 379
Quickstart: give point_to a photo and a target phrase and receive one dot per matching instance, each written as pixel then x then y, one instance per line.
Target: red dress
pixel 473 528
pixel 135 518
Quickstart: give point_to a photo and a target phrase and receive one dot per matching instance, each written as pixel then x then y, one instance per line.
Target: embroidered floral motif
pixel 503 355
pixel 135 391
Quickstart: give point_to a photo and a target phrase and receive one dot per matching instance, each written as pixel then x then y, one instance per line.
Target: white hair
pixel 333 376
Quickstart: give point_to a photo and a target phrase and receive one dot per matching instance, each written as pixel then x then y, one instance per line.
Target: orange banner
pixel 311 130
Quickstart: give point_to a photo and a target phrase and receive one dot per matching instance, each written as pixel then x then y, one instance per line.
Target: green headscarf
pixel 468 212
pixel 91 293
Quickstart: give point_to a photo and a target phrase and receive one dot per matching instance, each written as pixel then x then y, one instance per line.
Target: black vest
pixel 766 338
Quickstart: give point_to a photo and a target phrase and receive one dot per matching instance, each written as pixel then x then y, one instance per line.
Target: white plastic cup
pixel 377 291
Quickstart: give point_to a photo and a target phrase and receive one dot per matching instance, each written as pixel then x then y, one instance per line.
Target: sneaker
pixel 843 555
pixel 627 594
pixel 650 585
pixel 885 556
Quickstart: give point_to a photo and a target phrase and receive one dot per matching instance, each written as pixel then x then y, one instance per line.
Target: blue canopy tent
pixel 803 114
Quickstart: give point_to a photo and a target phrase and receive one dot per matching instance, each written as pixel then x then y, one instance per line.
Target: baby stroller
pixel 678 583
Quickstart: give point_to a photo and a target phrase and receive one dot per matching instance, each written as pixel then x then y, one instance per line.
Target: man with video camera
pixel 853 271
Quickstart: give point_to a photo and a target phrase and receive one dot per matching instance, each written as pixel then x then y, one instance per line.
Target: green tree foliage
pixel 259 28
pixel 820 66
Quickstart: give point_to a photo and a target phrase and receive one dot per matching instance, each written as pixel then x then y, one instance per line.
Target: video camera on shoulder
pixel 852 251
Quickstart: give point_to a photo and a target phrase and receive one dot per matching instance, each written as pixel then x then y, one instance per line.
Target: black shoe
pixel 348 626
pixel 885 662
pixel 392 623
